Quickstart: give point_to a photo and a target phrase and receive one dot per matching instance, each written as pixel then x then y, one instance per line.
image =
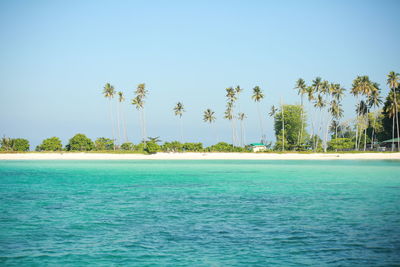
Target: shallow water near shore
pixel 200 213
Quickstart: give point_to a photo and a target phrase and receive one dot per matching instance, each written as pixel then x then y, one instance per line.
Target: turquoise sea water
pixel 200 213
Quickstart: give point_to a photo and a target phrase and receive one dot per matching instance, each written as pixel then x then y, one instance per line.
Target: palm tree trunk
pixel 302 123
pixel 358 111
pixel 283 127
pixel 144 125
pixel 259 116
pixel 112 124
pixel 394 115
pixel 124 120
pixel 181 125
pixel 397 119
pixel 118 124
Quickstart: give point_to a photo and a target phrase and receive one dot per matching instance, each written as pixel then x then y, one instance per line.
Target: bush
pixel 195 147
pixel 17 144
pixel 152 147
pixel 225 147
pixel 50 144
pixel 80 143
pixel 174 146
pixel 103 143
pixel 341 144
pixel 20 144
pixel 128 146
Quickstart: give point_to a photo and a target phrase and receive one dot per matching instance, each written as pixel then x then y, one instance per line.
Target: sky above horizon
pixel 56 57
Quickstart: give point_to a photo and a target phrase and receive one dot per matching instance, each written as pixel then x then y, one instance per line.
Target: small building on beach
pixel 391 143
pixel 258 147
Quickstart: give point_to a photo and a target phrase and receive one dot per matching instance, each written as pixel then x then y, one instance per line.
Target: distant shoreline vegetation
pixel 373 128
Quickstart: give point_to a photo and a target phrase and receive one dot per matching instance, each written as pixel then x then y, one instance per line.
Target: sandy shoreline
pixel 198 156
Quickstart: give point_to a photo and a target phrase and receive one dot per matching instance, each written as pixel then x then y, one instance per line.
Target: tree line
pixel 314 125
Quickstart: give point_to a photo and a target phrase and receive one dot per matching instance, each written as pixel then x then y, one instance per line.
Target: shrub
pixel 80 143
pixel 225 147
pixel 20 144
pixel 152 147
pixel 195 147
pixel 341 144
pixel 50 144
pixel 17 144
pixel 174 146
pixel 128 146
pixel 103 143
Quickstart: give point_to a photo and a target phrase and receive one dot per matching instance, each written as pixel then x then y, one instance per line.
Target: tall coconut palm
pixel 138 101
pixel 391 110
pixel 257 96
pixel 283 126
pixel 231 99
pixel 337 113
pixel 241 116
pixel 109 92
pixel 301 90
pixel 238 91
pixel 139 104
pixel 374 101
pixel 209 117
pixel 361 86
pixel 121 99
pixel 229 116
pixel 393 81
pixel 319 104
pixel 178 110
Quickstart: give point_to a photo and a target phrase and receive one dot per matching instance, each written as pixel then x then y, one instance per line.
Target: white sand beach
pixel 199 156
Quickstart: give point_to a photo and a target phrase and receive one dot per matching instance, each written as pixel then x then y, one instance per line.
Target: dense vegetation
pixel 316 127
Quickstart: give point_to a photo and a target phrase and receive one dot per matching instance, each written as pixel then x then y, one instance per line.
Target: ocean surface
pixel 200 213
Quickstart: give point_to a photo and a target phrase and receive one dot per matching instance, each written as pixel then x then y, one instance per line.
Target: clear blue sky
pixel 57 55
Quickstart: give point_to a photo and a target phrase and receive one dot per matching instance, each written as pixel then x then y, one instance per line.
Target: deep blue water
pixel 200 213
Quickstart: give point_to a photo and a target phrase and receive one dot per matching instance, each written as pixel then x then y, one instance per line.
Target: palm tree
pixel 154 139
pixel 178 110
pixel 229 116
pixel 301 90
pixel 121 99
pixel 374 101
pixel 139 104
pixel 257 96
pixel 319 104
pixel 391 110
pixel 364 87
pixel 241 117
pixel 337 112
pixel 283 126
pixel 138 101
pixel 393 81
pixel 209 116
pixel 109 93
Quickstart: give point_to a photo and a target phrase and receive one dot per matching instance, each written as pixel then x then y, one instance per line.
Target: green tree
pixel 209 116
pixel 103 143
pixel 257 96
pixel 20 144
pixel 80 143
pixel 128 146
pixel 109 92
pixel 173 146
pixel 50 144
pixel 179 109
pixel 121 99
pixel 138 102
pixel 340 144
pixel 291 120
pixel 152 147
pixel 6 144
pixel 394 81
pixel 301 91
